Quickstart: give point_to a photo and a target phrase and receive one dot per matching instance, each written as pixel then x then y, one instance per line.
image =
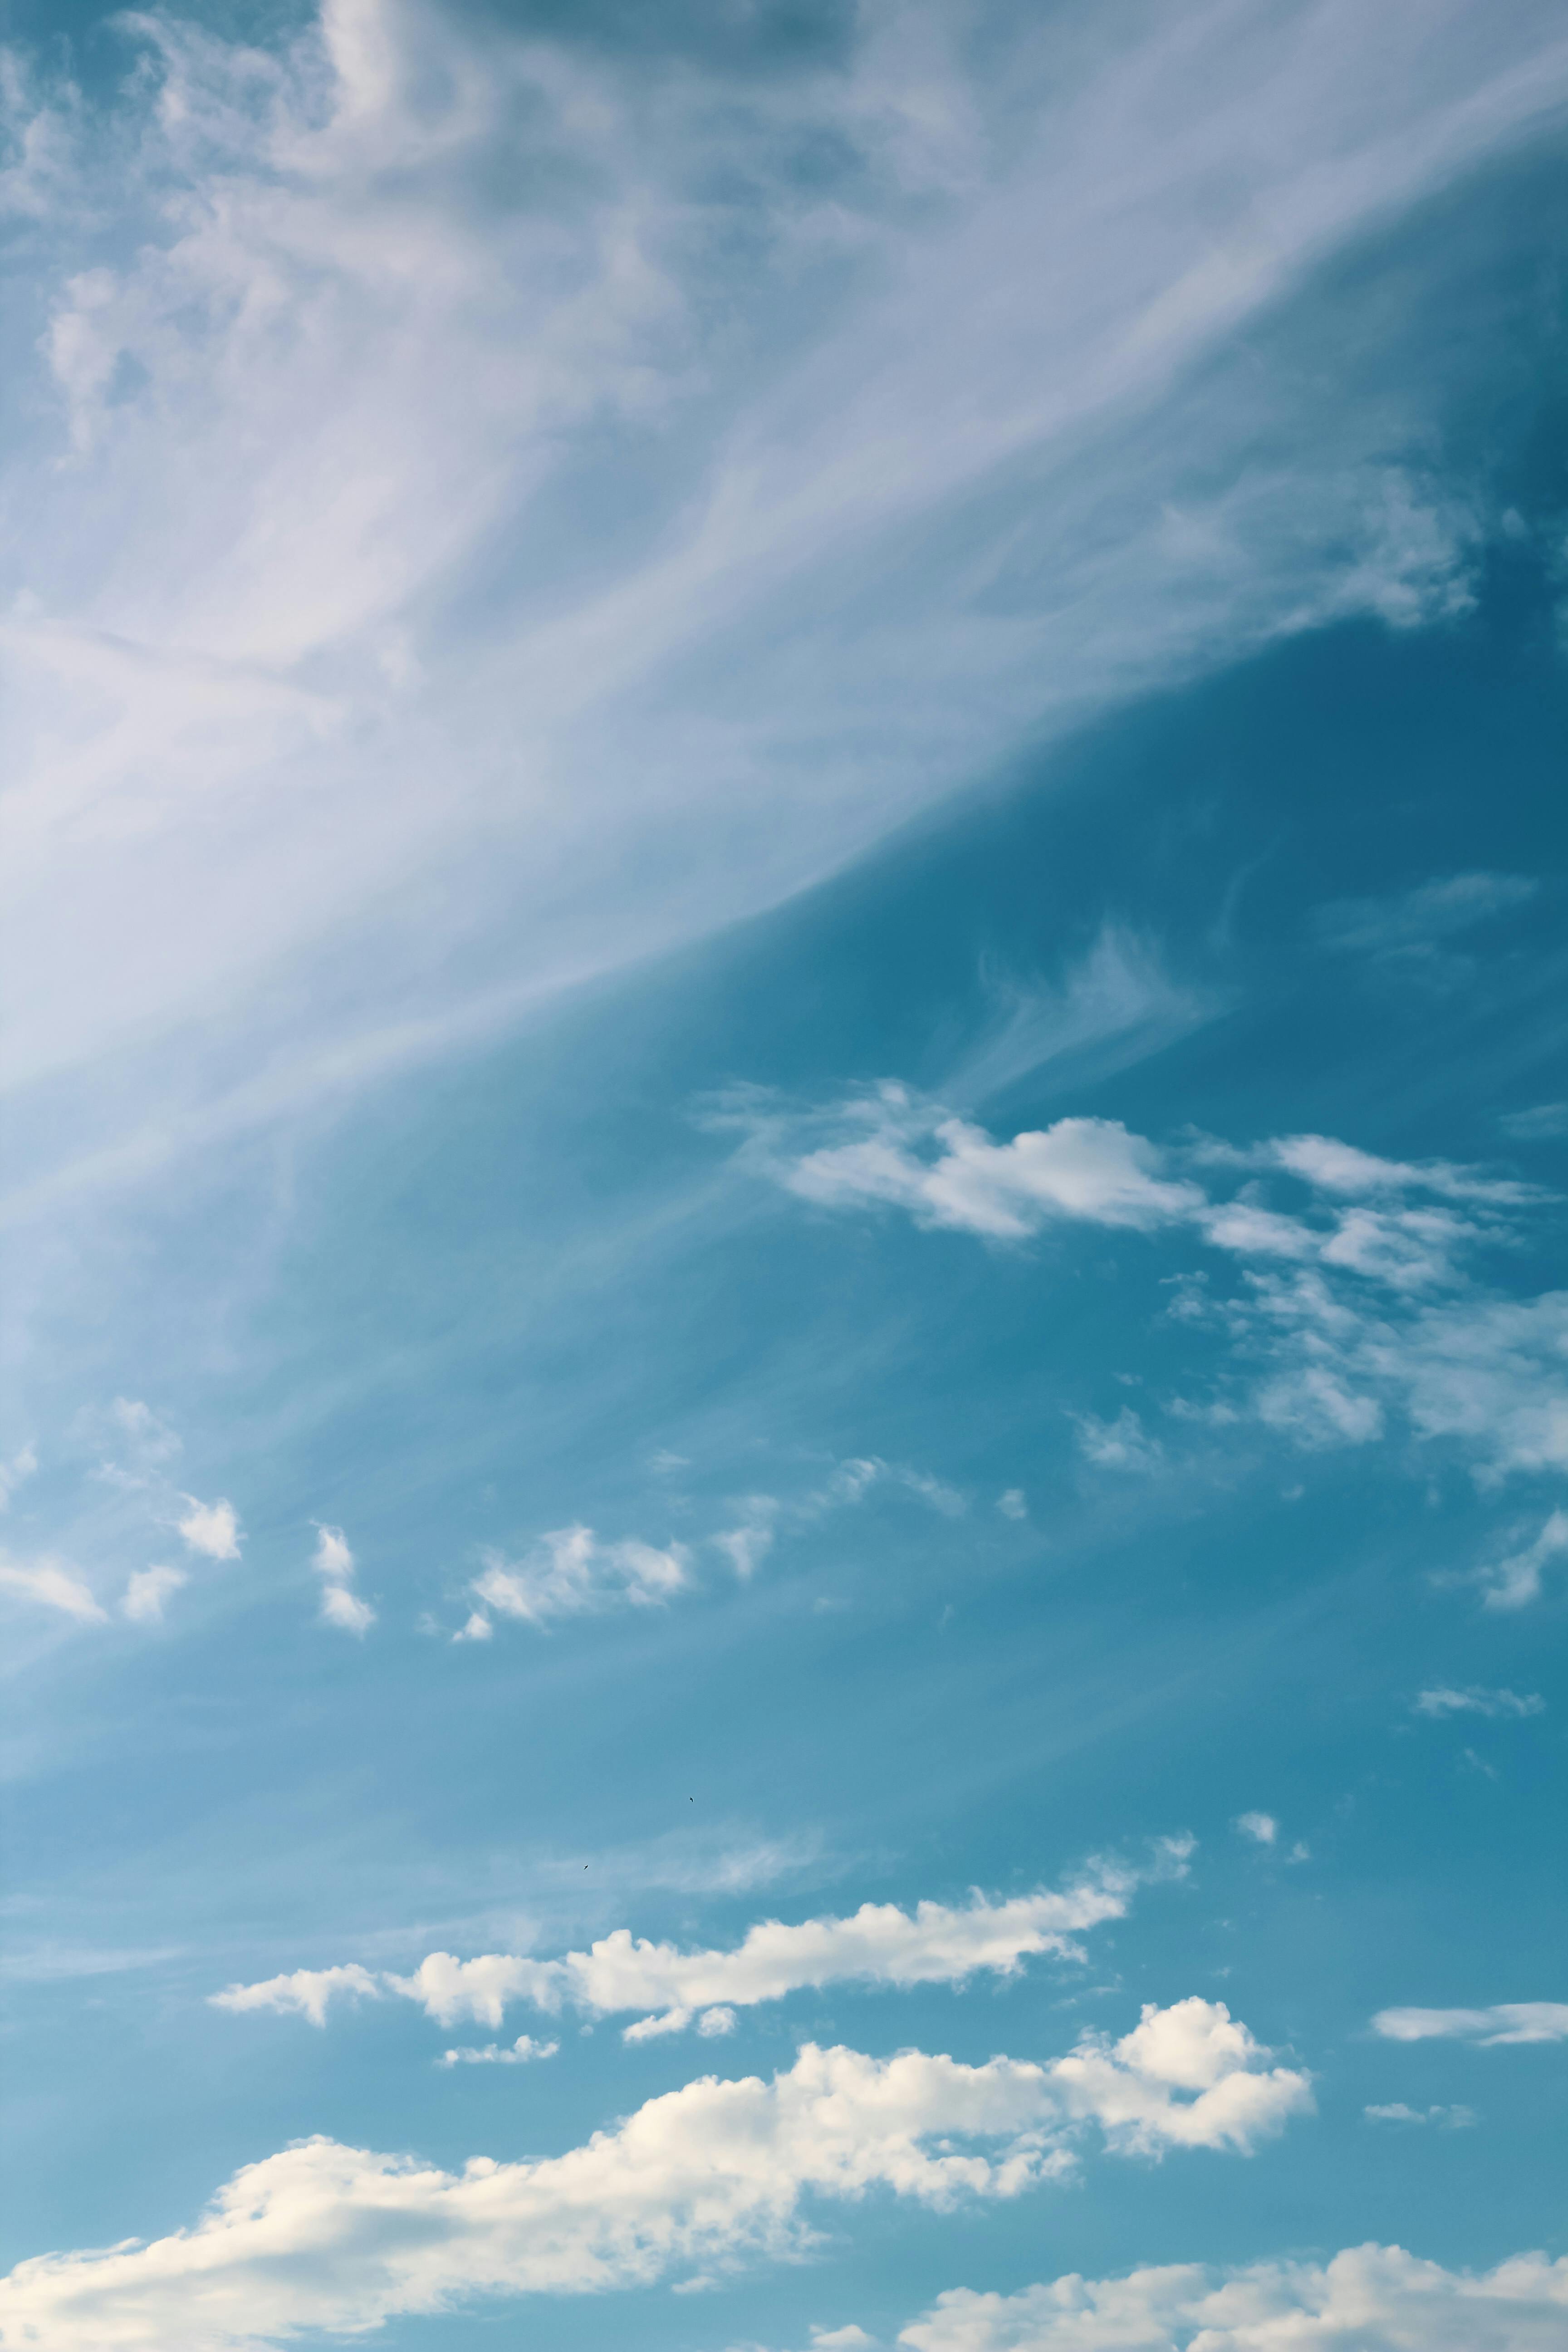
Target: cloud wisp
pixel 334 1563
pixel 1505 2021
pixel 879 1945
pixel 1379 2298
pixel 326 2237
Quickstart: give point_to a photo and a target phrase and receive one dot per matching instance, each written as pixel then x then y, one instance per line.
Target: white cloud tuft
pixel 1519 2020
pixel 147 1590
pixel 211 1528
pixel 333 1555
pixel 1453 2118
pixel 1377 2298
pixel 305 1994
pixel 521 2052
pixel 54 1584
pixel 337 2239
pixel 1514 1582
pixel 1262 1827
pixel 345 1608
pixel 1443 1702
pixel 15 1473
pixel 1014 1504
pixel 570 1573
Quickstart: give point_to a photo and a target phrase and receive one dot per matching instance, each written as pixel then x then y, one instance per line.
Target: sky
pixel 786 1355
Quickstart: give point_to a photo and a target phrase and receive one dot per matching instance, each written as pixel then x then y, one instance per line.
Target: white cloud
pixel 1411 923
pixel 211 1528
pixel 1519 2020
pixel 1542 1123
pixel 1514 1582
pixel 1442 1702
pixel 1261 1827
pixel 521 2052
pixel 15 1473
pixel 54 1584
pixel 345 1608
pixel 147 1590
pixel 1014 1504
pixel 1453 2118
pixel 302 270
pixel 877 1945
pixel 571 1573
pixel 1377 2298
pixel 333 1555
pixel 1119 1444
pixel 337 2239
pixel 305 1994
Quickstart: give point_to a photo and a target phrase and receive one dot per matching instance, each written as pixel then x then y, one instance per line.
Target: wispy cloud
pixel 1412 924
pixel 53 1584
pixel 571 1572
pixel 326 2237
pixel 523 2052
pixel 147 1590
pixel 1442 1702
pixel 877 1945
pixel 1520 2020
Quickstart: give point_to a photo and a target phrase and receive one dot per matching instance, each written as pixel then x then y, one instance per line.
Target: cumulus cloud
pixel 877 1945
pixel 304 1993
pixel 333 1555
pixel 211 1528
pixel 1442 1702
pixel 1014 1504
pixel 1119 1445
pixel 571 1573
pixel 54 1584
pixel 325 2237
pixel 147 1590
pixel 521 2052
pixel 1379 2298
pixel 334 1562
pixel 1261 1827
pixel 1451 2118
pixel 1520 2020
pixel 1514 1582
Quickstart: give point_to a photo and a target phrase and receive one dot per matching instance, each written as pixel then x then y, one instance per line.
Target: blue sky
pixel 786 1374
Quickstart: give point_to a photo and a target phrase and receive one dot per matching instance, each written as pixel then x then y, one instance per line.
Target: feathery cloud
pixel 1506 2022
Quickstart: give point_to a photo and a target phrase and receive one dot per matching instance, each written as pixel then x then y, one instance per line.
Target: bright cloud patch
pixel 211 1528
pixel 322 2236
pixel 305 1992
pixel 1444 1702
pixel 877 1945
pixel 521 2052
pixel 1374 2298
pixel 571 1573
pixel 147 1590
pixel 1519 2020
pixel 334 1563
pixel 54 1585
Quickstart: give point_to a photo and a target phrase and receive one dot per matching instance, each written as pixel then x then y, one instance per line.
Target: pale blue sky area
pixel 788 1132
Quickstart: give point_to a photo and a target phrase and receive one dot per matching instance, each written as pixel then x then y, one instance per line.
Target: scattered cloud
pixel 54 1584
pixel 877 1945
pixel 211 1528
pixel 334 1563
pixel 305 1994
pixel 1520 2020
pixel 1446 2118
pixel 1443 1702
pixel 15 1473
pixel 1514 1582
pixel 345 1608
pixel 1376 2298
pixel 335 2239
pixel 1410 925
pixel 1119 1444
pixel 571 1573
pixel 1261 1827
pixel 1014 1504
pixel 147 1592
pixel 521 2052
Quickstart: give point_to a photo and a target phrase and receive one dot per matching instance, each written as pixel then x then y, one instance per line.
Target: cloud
pixel 334 1563
pixel 1014 1504
pixel 54 1584
pixel 15 1473
pixel 1379 2298
pixel 325 2237
pixel 1520 2020
pixel 305 1994
pixel 211 1528
pixel 877 1945
pixel 1447 2119
pixel 521 2052
pixel 345 1608
pixel 1514 1582
pixel 1119 1444
pixel 570 1573
pixel 1411 923
pixel 147 1590
pixel 306 269
pixel 1443 1702
pixel 1542 1123
pixel 333 1557
pixel 1261 1827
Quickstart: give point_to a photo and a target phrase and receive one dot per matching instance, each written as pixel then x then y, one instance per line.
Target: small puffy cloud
pixel 878 1944
pixel 333 1557
pixel 521 2052
pixel 1443 1702
pixel 1506 2022
pixel 305 1994
pixel 147 1592
pixel 1261 1827
pixel 211 1528
pixel 345 1608
pixel 1515 1582
pixel 1454 2118
pixel 54 1584
pixel 714 2022
pixel 1014 1504
pixel 1377 2298
pixel 478 1628
pixel 326 2238
pixel 746 1546
pixel 15 1473
pixel 1119 1444
pixel 571 1573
